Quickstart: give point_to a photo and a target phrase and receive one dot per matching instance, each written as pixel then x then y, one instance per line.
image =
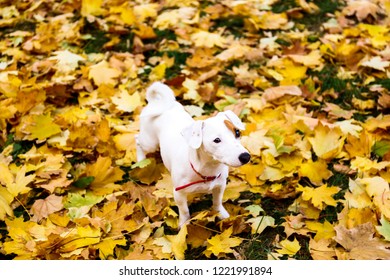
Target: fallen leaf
pixel 327 142
pixel 321 196
pixel 321 249
pixel 376 63
pixel 44 127
pixel 102 73
pixel 126 102
pixel 42 208
pixel 361 8
pixel 323 230
pixel 384 228
pixel 258 224
pixel 277 92
pixel 317 171
pixel 359 243
pixel 21 182
pixel 289 248
pixel 222 244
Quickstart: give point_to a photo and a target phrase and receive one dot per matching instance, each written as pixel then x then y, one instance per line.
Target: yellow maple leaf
pixel 208 40
pixel 378 189
pixel 273 174
pixel 258 224
pixel 126 102
pixel 19 185
pixel 357 196
pixel 91 7
pixel 44 127
pixel 291 72
pixel 221 244
pixel 252 173
pixel 21 243
pixel 59 219
pixel 114 220
pixel 102 73
pixel 352 217
pixel 126 13
pixel 170 18
pixel 289 247
pixel 106 247
pixel 6 176
pixel 178 243
pixel 315 171
pixel 270 20
pixel 320 197
pixel 66 61
pixel 327 142
pixel 105 175
pixel 363 164
pixel 158 72
pixel 323 230
pixel 5 200
pixel 83 237
pixel 145 11
pixel 197 236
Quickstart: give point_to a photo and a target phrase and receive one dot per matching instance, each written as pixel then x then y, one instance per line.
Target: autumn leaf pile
pixel 310 79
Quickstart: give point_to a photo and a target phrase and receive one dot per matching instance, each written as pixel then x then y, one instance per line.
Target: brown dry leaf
pixel 321 250
pixel 359 243
pixel 42 208
pixel 277 92
pixel 361 8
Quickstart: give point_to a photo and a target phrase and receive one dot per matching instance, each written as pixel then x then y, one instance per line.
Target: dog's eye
pixel 237 133
pixel 217 140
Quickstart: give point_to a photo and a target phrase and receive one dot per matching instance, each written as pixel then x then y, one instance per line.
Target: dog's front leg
pixel 217 201
pixel 182 204
pixel 140 153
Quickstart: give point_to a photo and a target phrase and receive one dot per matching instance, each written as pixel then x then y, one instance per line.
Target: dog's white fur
pixel 166 126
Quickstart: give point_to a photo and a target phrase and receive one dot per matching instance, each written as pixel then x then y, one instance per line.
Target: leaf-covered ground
pixel 310 79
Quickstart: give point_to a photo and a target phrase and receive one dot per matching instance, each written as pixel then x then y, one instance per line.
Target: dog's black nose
pixel 244 158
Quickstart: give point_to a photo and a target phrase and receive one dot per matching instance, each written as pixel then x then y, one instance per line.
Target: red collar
pixel 205 179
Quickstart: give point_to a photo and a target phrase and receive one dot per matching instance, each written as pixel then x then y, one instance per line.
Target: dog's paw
pixel 223 214
pixel 184 220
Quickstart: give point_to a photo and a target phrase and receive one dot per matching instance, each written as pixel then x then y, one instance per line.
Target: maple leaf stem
pixel 79 238
pixel 219 232
pixel 24 207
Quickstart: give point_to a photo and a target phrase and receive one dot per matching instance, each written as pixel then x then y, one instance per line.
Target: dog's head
pixel 219 136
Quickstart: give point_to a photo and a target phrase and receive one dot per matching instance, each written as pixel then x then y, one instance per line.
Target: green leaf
pixel 141 164
pixel 255 210
pixel 79 200
pixel 384 229
pixel 381 148
pixel 83 182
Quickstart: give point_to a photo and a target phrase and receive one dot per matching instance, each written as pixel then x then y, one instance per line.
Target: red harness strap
pixel 205 179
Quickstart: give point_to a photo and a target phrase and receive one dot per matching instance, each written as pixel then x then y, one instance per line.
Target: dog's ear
pixel 193 134
pixel 234 119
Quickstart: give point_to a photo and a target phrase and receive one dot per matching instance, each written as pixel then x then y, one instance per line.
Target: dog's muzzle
pixel 244 158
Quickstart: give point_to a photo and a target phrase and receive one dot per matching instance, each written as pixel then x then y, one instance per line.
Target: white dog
pixel 196 153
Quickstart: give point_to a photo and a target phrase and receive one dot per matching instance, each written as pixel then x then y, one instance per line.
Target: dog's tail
pixel 161 97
